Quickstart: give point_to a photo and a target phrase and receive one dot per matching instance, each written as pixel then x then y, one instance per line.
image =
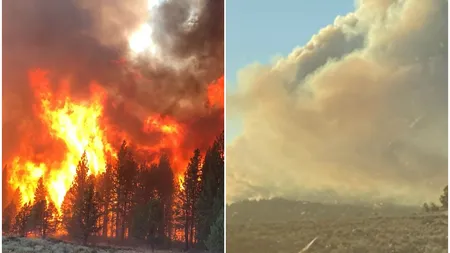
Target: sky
pixel 253 29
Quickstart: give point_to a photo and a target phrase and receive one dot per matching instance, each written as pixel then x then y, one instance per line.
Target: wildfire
pixel 76 125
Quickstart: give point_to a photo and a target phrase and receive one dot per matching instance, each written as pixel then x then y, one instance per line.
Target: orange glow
pixel 215 93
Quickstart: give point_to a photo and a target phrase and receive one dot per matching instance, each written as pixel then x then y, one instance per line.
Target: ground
pixel 366 232
pixel 32 245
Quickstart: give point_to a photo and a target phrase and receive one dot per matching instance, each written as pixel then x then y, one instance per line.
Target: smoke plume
pixel 358 113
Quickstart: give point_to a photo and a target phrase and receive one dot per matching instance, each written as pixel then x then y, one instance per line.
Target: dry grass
pixel 32 245
pixel 420 233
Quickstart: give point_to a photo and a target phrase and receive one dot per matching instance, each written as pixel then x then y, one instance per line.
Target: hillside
pixel 288 226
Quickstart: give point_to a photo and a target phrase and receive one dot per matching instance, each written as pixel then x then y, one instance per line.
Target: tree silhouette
pixel 444 198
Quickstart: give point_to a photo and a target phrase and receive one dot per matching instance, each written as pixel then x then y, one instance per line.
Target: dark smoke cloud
pixel 359 113
pixel 88 40
pixel 192 28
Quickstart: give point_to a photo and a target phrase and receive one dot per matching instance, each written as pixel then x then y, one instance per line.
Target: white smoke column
pixel 359 113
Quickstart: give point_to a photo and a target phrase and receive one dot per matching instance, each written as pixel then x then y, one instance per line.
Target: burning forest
pixel 113 120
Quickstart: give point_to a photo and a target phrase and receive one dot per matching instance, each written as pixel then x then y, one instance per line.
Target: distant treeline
pixel 279 210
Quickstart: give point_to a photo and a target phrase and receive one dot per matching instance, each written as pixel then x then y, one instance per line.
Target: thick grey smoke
pixel 88 41
pixel 359 113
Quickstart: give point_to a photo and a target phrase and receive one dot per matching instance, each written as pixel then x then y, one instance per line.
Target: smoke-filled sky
pixel 85 41
pixel 358 113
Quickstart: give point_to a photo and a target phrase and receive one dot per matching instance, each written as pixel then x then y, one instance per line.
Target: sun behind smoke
pixel 141 40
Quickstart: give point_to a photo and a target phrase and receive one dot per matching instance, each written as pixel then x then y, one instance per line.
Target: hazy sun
pixel 141 40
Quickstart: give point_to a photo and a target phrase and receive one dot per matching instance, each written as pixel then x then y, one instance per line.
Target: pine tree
pixel 51 219
pixel 189 197
pixel 37 219
pixel 210 201
pixel 17 198
pixel 67 209
pixel 166 189
pixel 146 220
pixel 21 223
pixel 124 181
pixel 11 212
pixel 444 198
pixel 215 242
pixel 73 201
pixel 6 198
pixel 106 195
pixel 89 211
pixel 8 217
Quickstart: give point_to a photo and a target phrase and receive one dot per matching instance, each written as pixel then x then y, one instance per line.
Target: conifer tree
pixel 166 189
pixel 124 182
pixel 210 201
pixel 146 220
pixel 21 223
pixel 73 201
pixel 444 198
pixel 51 219
pixel 8 216
pixel 106 196
pixel 88 212
pixel 215 242
pixel 189 196
pixel 37 219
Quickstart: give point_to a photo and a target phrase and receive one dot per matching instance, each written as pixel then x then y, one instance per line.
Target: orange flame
pixel 76 127
pixel 181 182
pixel 216 93
pixel 75 124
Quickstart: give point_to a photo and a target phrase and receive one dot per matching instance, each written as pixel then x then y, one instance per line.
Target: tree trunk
pixel 186 230
pixel 192 230
pixel 105 221
pixel 118 217
pixel 85 238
